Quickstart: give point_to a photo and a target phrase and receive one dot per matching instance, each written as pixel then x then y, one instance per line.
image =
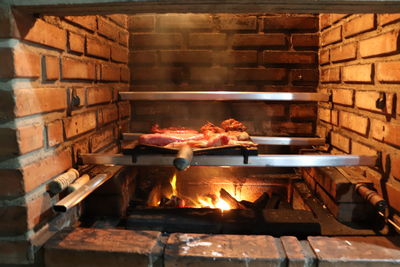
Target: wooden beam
pixel 87 7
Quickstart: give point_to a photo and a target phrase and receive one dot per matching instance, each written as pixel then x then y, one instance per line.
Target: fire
pixel 212 202
pixel 173 184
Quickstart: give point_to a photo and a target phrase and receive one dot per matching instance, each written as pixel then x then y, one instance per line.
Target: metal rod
pixel 223 96
pixel 81 193
pixel 261 140
pixel 253 161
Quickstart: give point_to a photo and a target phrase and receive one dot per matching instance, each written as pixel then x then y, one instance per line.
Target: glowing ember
pixel 222 205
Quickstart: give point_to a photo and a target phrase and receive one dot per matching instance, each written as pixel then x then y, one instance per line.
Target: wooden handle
pixel 183 158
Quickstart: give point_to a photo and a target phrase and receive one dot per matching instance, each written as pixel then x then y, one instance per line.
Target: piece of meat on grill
pixel 172 130
pixel 233 125
pixel 211 128
pixel 159 139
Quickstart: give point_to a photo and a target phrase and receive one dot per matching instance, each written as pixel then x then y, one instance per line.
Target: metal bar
pixel 77 196
pixel 261 140
pixel 253 161
pixel 223 96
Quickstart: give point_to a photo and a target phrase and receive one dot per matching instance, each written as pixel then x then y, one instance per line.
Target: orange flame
pixel 209 202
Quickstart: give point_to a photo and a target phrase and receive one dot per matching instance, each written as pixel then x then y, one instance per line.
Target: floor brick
pixel 222 250
pixel 104 247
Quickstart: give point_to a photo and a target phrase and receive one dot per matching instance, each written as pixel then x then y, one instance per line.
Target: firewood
pixel 273 202
pixel 261 201
pixel 233 203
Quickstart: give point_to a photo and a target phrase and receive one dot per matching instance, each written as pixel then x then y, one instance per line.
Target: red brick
pixel 142 57
pixel 258 40
pixel 303 111
pixel 289 57
pixel 331 36
pixel 120 19
pixel 101 139
pixel 157 74
pixel 361 149
pixel 41 100
pixel 42 170
pixel 341 142
pixel 324 20
pixel 359 24
pixel 259 74
pixel 344 52
pixel 335 117
pixel 288 22
pixel 124 109
pixel 55 133
pixel 87 22
pixel 388 71
pixel 290 128
pixel 386 132
pixel 141 23
pixel 75 69
pixel 107 29
pixel 388 18
pixel 353 122
pixel 76 43
pixel 107 114
pixel 30 138
pixel 110 73
pixel 46 34
pixel 123 38
pixel 185 57
pixel 19 63
pixel 184 21
pixel 395 164
pixel 155 40
pixel 343 97
pixel 304 76
pixel 324 114
pixel 379 45
pixel 97 49
pixel 237 22
pixel 98 95
pixel 324 56
pixel 358 73
pixel 51 68
pixel 336 17
pixel 78 124
pixel 234 57
pixel 119 54
pixel 367 100
pixel 207 40
pixel 208 75
pixel 305 40
pixel 330 75
pixel 125 74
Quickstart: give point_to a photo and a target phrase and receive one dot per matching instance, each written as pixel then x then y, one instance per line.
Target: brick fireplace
pixel 60 83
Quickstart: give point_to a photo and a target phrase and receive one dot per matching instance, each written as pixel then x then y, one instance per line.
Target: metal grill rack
pixel 261 160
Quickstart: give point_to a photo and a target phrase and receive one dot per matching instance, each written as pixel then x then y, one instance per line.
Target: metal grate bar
pixel 238 161
pixel 223 96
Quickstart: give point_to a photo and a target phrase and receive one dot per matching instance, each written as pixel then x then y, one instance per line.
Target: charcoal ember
pixel 175 202
pixel 247 204
pixel 163 201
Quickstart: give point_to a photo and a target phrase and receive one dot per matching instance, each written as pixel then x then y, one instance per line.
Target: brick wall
pixel 59 84
pixel 359 65
pixel 256 52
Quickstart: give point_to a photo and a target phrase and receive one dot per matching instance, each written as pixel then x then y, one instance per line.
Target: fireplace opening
pixel 318 94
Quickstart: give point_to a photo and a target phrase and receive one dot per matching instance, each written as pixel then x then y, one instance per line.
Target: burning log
pixel 233 203
pixel 261 202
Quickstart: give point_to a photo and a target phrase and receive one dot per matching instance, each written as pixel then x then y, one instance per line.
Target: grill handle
pixel 374 198
pixel 183 158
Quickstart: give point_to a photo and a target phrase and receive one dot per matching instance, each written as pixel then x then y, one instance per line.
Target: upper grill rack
pixel 230 160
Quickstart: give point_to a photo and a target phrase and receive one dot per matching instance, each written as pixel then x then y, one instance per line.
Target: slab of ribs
pixel 231 132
